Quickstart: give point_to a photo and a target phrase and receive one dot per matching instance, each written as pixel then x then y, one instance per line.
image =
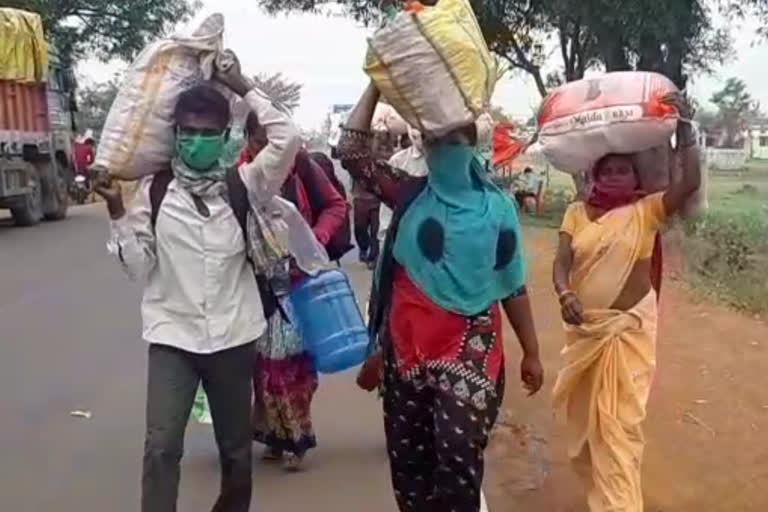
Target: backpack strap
pixel 238 198
pixel 157 190
pixel 306 168
pixel 238 201
pixel 240 204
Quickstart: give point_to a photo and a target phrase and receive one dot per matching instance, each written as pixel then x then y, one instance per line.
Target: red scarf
pixel 605 198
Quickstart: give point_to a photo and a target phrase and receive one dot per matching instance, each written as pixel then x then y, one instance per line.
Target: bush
pixel 727 253
pixel 555 202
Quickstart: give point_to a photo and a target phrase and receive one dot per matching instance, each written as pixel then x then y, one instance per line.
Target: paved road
pixel 70 339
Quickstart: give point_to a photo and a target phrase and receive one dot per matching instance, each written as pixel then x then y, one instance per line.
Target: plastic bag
pixel 294 232
pixel 580 122
pixel 138 136
pixel 485 125
pixel 433 66
pixel 201 412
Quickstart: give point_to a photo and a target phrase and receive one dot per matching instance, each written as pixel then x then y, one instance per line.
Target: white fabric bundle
pixel 138 135
pixel 582 121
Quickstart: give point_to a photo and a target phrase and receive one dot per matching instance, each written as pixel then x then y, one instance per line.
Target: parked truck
pixel 37 94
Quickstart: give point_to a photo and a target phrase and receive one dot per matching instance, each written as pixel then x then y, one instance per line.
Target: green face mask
pixel 200 152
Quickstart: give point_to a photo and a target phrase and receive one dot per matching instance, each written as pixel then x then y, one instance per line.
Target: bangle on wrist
pixel 563 294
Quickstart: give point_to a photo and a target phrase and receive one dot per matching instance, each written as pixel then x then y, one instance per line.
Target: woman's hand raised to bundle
pixel 681 104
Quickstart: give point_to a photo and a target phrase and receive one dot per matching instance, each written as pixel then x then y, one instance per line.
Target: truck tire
pixel 55 193
pixel 29 211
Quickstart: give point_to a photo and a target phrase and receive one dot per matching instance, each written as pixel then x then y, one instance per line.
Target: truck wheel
pixel 56 200
pixel 29 211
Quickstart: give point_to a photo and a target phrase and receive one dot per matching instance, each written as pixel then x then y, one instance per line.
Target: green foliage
pixel 726 253
pixel 736 108
pixel 280 89
pixel 106 28
pixel 556 200
pixel 743 9
pixel 277 87
pixel 93 104
pixel 673 37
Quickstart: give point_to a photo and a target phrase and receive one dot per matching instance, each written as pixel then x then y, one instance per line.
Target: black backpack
pixel 307 169
pixel 238 200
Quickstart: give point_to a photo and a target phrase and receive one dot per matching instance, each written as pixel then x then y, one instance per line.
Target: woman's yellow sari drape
pixel 609 359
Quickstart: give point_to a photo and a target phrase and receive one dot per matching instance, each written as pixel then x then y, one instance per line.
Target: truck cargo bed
pixel 23 115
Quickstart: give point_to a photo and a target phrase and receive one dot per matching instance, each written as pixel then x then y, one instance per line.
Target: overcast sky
pixel 325 53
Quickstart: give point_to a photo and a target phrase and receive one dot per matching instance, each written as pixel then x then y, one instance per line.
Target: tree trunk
pixel 540 85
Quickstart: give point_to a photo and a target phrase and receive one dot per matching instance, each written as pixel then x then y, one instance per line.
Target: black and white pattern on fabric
pixel 436 444
pixel 466 378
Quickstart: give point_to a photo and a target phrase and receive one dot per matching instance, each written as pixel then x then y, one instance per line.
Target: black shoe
pixel 363 257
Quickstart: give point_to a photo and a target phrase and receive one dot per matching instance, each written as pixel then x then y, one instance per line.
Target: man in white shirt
pixel 528 190
pixel 201 308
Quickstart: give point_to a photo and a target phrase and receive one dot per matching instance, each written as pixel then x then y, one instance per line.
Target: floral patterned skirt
pixel 284 382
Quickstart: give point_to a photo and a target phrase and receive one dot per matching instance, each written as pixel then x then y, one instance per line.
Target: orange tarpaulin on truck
pixel 506 147
pixel 23 51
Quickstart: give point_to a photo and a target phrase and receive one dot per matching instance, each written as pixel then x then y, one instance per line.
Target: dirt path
pixel 708 414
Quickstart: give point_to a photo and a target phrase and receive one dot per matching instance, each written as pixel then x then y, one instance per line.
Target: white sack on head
pixel 138 135
pixel 582 121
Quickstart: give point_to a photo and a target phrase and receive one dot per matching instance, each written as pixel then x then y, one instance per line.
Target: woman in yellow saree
pixel 603 276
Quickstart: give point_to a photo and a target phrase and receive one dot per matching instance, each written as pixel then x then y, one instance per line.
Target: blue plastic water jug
pixel 329 321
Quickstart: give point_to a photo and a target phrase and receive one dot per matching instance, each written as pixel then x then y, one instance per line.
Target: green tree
pixel 742 9
pixel 280 89
pixel 674 37
pixel 93 104
pixel 735 109
pixel 106 28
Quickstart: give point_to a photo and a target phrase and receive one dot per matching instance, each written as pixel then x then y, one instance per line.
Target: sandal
pixel 293 463
pixel 272 454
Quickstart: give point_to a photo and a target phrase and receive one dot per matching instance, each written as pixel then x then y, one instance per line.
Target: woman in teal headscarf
pixel 452 255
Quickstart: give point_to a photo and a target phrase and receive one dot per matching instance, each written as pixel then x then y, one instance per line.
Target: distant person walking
pixel 84 153
pixel 528 190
